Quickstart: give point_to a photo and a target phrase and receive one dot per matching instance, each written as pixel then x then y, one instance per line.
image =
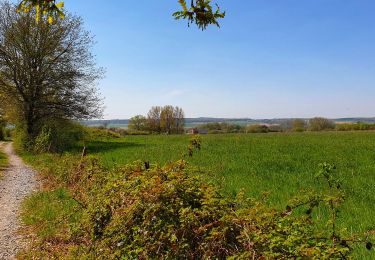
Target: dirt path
pixel 18 181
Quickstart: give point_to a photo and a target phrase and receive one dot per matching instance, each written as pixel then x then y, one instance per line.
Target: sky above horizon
pixel 269 59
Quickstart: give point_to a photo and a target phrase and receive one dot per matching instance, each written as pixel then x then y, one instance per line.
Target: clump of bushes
pixel 53 136
pixel 321 124
pixel 143 211
pixel 257 129
pixel 95 133
pixel 298 125
pixel 355 126
pixel 5 132
pixel 58 136
pixel 222 127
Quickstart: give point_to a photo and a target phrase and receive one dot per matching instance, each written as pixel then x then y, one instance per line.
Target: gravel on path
pixel 18 181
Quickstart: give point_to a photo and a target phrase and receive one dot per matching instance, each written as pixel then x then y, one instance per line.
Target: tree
pixel 320 124
pixel 153 119
pixel 167 120
pixel 47 70
pixel 179 116
pixel 200 12
pixel 138 123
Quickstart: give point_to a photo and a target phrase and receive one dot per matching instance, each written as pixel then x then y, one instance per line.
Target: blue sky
pixel 269 59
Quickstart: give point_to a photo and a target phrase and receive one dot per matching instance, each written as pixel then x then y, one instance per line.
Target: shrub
pixel 2 133
pixel 97 133
pixel 354 126
pixel 257 129
pixel 43 141
pixel 133 132
pixel 224 127
pixel 299 125
pixel 216 132
pixel 52 136
pixel 164 212
pixel 275 128
pixel 22 140
pixel 8 132
pixel 320 124
pixel 58 135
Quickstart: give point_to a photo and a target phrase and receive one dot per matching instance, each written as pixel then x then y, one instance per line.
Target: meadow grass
pixel 281 164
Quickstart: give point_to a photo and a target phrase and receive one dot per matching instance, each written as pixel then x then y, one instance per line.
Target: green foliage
pixel 21 139
pixel 43 141
pixel 320 124
pixel 195 144
pixel 98 133
pixel 223 127
pixel 166 120
pixel 359 126
pixel 257 129
pixel 58 135
pixel 298 125
pixel 138 123
pixel 200 12
pixel 43 8
pixel 54 136
pixel 165 212
pixel 68 90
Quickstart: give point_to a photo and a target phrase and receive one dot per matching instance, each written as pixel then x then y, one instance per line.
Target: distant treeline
pixel 295 125
pixel 140 126
pixel 197 122
pixel 159 120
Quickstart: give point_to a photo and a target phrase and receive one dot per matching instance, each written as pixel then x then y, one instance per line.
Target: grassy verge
pixel 51 215
pixel 3 163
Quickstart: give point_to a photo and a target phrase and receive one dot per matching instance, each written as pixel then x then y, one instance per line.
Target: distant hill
pixel 193 122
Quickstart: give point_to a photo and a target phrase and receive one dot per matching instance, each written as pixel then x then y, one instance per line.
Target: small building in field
pixel 194 131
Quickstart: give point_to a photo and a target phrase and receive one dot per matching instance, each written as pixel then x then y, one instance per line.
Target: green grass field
pixel 282 164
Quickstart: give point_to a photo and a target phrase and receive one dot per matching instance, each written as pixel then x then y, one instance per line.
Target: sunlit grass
pixel 3 163
pixel 50 211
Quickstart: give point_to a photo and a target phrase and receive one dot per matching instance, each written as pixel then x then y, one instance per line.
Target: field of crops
pixel 281 164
